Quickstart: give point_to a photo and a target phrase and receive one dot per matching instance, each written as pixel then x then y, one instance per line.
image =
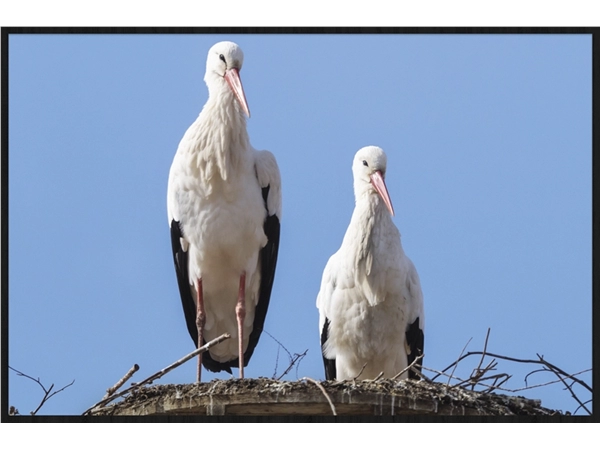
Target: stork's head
pixel 223 64
pixel 369 174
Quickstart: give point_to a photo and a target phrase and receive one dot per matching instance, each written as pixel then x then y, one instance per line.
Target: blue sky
pixel 488 140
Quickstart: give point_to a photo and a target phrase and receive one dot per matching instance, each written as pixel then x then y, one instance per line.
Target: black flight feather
pixel 330 372
pixel 416 342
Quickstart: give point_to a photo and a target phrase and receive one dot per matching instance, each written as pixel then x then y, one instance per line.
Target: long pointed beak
pixel 235 83
pixel 379 184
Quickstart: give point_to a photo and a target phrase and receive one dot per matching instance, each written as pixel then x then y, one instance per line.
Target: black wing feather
pixel 330 372
pixel 180 258
pixel 416 342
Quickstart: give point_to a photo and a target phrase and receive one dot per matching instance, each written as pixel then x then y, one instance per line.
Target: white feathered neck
pixel 369 219
pixel 218 139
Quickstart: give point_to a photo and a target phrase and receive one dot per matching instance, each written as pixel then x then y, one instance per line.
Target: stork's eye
pixel 365 163
pixel 222 58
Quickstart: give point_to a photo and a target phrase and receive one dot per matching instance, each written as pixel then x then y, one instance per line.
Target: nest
pixel 264 396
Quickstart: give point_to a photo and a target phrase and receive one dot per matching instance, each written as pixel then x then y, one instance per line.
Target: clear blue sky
pixel 488 140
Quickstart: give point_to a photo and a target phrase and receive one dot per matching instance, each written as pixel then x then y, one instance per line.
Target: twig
pixel 280 345
pixel 497 387
pixel 477 373
pixel 496 378
pixel 452 374
pixel 378 376
pixel 48 394
pixel 575 412
pixel 110 391
pixel 276 363
pixel 479 380
pixel 324 393
pixel 415 361
pixel 421 374
pixel 529 361
pixel 359 373
pixel 567 386
pixel 543 369
pixel 484 349
pixel 160 373
pixel 296 358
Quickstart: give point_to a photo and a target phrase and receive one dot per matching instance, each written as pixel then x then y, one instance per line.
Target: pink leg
pixel 240 311
pixel 200 320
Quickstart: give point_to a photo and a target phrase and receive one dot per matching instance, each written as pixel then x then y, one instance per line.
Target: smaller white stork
pixel 224 205
pixel 370 303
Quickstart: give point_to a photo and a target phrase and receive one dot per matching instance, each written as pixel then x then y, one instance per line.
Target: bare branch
pixel 575 412
pixel 48 394
pixel 415 361
pixel 359 373
pixel 420 374
pixel 324 393
pixel 528 361
pixel 497 387
pixel 378 376
pixel 160 373
pixel 456 364
pixel 565 383
pixel 478 373
pixel 293 359
pixel 484 350
pixel 297 357
pixel 110 391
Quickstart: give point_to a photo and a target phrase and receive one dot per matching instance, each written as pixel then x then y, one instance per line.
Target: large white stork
pixel 370 302
pixel 224 206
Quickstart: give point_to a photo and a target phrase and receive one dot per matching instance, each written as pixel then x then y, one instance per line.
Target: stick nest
pixel 265 396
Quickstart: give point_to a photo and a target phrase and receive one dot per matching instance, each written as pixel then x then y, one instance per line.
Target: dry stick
pixel 47 396
pixel 477 371
pixel 421 374
pixel 47 392
pixel 529 361
pixel 574 412
pixel 359 373
pixel 496 386
pixel 504 389
pixel 416 360
pixel 296 358
pixel 110 391
pixel 280 345
pixel 568 387
pixel 543 369
pixel 324 393
pixel 461 352
pixel 378 376
pixel 537 385
pixel 479 381
pixel 160 373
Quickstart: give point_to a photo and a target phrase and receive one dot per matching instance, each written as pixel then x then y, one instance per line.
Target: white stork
pixel 370 302
pixel 224 206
